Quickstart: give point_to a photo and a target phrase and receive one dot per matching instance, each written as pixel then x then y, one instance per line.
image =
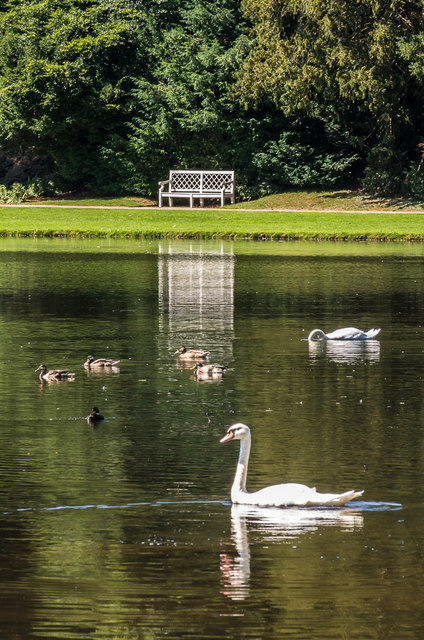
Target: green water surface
pixel 124 529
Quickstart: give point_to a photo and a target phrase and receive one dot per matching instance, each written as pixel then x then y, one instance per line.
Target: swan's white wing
pixel 351 333
pixel 348 333
pixel 294 495
pixel 372 333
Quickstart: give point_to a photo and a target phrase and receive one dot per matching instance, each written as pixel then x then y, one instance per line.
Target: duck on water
pixel 191 354
pixel 100 363
pixel 54 374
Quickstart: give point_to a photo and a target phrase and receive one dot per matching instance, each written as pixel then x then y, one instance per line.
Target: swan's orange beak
pixel 228 436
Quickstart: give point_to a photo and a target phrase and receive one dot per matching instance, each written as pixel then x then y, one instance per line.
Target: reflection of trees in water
pixel 274 525
pixel 345 351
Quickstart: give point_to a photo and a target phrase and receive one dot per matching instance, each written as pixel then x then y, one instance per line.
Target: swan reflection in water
pixel 274 525
pixel 352 351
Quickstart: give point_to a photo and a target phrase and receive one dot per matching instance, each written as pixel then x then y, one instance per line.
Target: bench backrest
pixel 201 181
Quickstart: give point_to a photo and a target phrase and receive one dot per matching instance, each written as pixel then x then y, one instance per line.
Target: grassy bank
pixel 207 223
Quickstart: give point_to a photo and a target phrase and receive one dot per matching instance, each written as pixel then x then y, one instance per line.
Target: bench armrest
pixel 163 183
pixel 226 184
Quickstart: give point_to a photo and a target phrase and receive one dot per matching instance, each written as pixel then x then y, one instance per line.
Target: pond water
pixel 125 529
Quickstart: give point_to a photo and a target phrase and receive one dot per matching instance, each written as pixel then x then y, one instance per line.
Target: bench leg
pixel 191 201
pixel 160 199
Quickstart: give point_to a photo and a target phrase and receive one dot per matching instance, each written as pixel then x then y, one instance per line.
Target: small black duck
pixel 209 369
pixel 95 415
pixel 100 362
pixel 54 374
pixel 191 354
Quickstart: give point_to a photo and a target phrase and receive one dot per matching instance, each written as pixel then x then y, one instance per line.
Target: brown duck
pixel 191 354
pixel 54 374
pixel 100 362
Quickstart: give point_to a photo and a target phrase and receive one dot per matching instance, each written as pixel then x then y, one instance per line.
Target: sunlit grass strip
pixel 208 223
pixel 297 200
pixel 340 200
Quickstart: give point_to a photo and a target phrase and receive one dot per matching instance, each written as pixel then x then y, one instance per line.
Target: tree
pixel 116 92
pixel 352 63
pixel 66 71
pixel 189 116
pixel 185 114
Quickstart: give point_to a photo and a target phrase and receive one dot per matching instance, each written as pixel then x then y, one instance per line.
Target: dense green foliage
pixel 110 94
pixel 354 63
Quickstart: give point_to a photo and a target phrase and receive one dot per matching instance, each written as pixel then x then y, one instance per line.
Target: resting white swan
pixel 277 495
pixel 349 333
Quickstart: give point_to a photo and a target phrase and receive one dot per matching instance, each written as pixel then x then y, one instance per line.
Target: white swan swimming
pixel 348 333
pixel 277 495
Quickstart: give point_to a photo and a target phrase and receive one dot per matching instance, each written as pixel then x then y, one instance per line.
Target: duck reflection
pixel 209 377
pixel 49 382
pixel 106 371
pixel 274 525
pixel 349 351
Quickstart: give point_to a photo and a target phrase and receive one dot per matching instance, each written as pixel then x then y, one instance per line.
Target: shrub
pixel 36 188
pixel 289 161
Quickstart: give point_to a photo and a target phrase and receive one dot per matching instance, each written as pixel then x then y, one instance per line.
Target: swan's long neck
pixel 317 334
pixel 239 484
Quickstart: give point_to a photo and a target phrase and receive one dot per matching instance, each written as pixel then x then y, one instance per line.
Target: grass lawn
pixel 226 223
pixel 341 200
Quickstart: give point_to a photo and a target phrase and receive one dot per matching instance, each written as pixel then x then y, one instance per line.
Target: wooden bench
pixel 197 185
